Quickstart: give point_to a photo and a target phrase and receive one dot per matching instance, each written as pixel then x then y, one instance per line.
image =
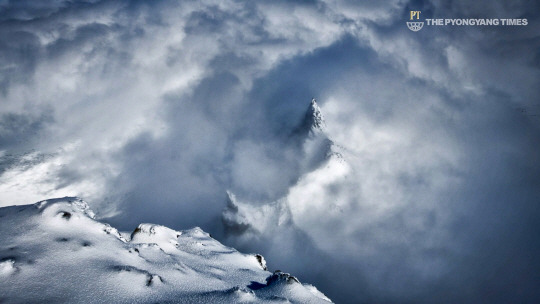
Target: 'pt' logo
pixel 415 26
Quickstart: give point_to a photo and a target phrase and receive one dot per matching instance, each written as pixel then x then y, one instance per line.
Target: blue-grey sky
pixel 152 110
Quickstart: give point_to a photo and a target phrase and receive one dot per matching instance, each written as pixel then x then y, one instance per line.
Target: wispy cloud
pixel 151 111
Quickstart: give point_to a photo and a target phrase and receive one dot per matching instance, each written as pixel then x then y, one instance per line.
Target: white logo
pixel 415 26
pixel 414 23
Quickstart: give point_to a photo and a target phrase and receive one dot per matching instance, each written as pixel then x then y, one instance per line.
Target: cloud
pixel 152 111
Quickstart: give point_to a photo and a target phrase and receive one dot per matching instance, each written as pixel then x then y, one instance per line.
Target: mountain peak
pixel 314 117
pixel 313 121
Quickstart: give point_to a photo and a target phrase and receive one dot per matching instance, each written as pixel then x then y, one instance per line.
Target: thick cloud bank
pixel 159 108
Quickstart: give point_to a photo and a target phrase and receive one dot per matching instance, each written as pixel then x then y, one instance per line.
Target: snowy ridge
pixel 55 251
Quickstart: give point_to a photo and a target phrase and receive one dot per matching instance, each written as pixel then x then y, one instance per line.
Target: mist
pixel 154 112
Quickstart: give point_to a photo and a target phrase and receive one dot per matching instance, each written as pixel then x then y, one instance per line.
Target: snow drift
pixel 56 251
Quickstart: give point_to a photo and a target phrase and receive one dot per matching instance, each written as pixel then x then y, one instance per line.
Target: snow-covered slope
pixel 55 251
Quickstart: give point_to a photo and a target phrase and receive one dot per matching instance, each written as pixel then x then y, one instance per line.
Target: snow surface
pixel 55 251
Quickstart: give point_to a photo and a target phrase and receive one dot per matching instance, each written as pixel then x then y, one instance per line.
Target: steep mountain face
pixel 321 165
pixel 300 220
pixel 313 121
pixel 55 251
pixel 314 143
